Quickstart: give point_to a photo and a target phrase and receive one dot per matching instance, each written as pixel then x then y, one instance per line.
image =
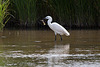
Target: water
pixel 37 48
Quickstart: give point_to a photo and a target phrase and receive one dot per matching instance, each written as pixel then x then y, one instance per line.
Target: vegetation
pixel 26 10
pixel 69 13
pixel 3 13
pixel 79 13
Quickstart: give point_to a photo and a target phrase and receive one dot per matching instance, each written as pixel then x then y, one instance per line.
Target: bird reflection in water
pixel 57 54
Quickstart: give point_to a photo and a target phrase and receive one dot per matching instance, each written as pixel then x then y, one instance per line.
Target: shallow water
pixel 37 48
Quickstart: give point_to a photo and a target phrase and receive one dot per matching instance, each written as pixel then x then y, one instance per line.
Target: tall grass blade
pixel 3 12
pixel 26 11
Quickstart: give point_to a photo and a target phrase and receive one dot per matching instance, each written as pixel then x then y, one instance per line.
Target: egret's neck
pixel 49 22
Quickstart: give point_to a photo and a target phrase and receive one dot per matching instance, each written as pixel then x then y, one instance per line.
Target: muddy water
pixel 37 48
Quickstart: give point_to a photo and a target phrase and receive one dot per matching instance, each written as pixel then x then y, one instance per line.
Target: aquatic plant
pixel 26 11
pixel 79 13
pixel 84 11
pixel 64 10
pixel 3 13
pixel 70 13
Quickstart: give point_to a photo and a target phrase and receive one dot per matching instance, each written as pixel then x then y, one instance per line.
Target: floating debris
pixel 37 41
pixel 3 36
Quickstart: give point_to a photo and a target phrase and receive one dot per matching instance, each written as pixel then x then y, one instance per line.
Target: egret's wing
pixel 59 29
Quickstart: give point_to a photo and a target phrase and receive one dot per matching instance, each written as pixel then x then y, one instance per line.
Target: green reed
pixel 26 11
pixel 3 13
pixel 71 13
pixel 63 10
pixel 80 13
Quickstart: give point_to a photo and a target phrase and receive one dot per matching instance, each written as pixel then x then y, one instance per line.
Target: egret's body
pixel 57 28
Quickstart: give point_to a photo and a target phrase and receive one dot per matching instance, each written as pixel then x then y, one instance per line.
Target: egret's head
pixel 48 17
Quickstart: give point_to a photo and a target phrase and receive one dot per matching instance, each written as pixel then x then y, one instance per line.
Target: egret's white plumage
pixel 57 28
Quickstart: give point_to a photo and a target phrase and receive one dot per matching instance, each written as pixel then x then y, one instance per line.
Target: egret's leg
pixel 55 36
pixel 61 37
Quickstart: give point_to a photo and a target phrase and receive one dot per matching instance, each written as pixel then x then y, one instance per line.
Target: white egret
pixel 57 28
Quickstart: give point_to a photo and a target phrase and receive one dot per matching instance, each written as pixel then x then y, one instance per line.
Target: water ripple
pixel 19 55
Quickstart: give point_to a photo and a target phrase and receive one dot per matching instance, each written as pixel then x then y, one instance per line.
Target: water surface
pixel 37 48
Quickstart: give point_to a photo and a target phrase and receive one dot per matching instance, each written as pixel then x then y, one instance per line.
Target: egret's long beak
pixel 43 22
